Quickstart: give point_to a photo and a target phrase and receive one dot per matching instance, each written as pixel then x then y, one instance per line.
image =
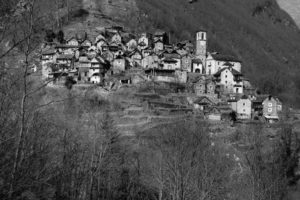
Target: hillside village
pixel 212 83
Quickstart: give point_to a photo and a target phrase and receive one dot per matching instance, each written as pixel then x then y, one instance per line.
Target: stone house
pixel 48 56
pixel 131 45
pixel 242 107
pixel 144 41
pixel 230 79
pixel 151 61
pixel 203 103
pixel 116 38
pixel 171 61
pixel 161 35
pixel 109 56
pixel 66 60
pixel 158 45
pixel 98 65
pixel 210 87
pixel 200 87
pixel 136 57
pixel 271 108
pixel 186 63
pixel 100 44
pixel 120 64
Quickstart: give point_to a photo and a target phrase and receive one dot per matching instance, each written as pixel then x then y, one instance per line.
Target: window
pixel 269 109
pixel 225 76
pixel 225 82
pixel 270 104
pixel 244 104
pixel 85 73
pixel 244 110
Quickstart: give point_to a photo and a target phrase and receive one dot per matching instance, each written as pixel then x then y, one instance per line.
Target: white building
pixel 231 80
pixel 215 62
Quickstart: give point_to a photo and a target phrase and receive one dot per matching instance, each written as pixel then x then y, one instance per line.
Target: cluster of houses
pixel 115 57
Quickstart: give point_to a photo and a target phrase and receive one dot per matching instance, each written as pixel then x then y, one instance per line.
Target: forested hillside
pixel 65 143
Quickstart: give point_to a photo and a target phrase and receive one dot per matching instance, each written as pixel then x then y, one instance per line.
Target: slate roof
pixel 200 100
pixel 233 71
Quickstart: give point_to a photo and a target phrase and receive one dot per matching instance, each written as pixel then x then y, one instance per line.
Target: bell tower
pixel 201 46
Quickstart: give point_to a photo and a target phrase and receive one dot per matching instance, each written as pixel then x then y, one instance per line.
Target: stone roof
pixel 233 71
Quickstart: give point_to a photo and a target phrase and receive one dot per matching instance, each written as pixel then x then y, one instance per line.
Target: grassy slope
pixel 268 50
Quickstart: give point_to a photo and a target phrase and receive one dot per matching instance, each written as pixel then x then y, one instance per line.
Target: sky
pixel 292 7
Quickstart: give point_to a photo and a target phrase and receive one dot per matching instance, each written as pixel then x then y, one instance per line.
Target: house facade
pixel 186 63
pixel 242 107
pixel 271 108
pixel 230 79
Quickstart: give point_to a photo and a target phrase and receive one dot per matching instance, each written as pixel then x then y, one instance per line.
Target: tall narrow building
pixel 201 46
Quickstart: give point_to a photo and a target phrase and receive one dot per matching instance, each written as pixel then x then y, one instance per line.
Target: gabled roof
pixel 203 101
pixel 86 41
pixel 97 59
pixel 157 40
pixel 233 71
